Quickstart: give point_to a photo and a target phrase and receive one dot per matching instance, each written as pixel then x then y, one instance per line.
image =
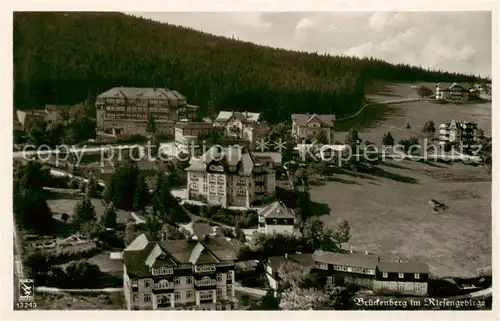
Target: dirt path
pixel 45 289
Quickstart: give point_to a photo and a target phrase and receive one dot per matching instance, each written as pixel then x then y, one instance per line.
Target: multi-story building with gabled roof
pixel 456 132
pixel 126 110
pixel 245 126
pixel 230 176
pixel 179 274
pixel 305 126
pixel 276 218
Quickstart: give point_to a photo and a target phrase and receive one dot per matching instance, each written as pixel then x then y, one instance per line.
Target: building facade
pixel 179 274
pixel 454 93
pixel 276 218
pixel 187 133
pixel 57 114
pixel 126 110
pixel 28 118
pixel 305 126
pixel 401 277
pixel 373 272
pixel 458 132
pixel 230 176
pixel 243 125
pixel 363 270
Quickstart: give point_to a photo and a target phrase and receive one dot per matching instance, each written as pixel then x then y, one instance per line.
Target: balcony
pixel 163 286
pixel 201 283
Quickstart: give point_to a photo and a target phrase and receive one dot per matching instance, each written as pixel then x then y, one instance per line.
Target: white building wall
pixel 279 229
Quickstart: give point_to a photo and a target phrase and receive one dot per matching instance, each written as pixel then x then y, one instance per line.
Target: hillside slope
pixel 64 57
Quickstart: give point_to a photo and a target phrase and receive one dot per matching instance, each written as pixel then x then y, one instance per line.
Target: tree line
pixel 65 58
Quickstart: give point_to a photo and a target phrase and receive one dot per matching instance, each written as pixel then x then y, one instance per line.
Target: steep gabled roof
pixel 157 257
pixel 277 210
pixel 303 119
pixel 403 267
pixel 200 255
pixel 138 244
pixel 244 116
pixel 137 92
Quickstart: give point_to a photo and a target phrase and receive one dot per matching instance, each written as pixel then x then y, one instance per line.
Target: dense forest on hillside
pixel 59 58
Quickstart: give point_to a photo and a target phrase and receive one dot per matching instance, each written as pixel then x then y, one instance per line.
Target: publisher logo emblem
pixel 26 290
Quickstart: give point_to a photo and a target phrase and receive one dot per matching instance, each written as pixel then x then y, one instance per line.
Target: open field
pixel 391 215
pixel 64 301
pixel 105 263
pixel 377 120
pixel 60 206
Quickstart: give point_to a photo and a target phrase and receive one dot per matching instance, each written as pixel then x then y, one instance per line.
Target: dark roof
pixel 403 267
pixel 250 264
pixel 56 107
pixel 304 259
pixel 136 92
pixel 194 125
pixel 201 229
pixel 448 86
pixel 360 260
pixel 303 119
pixel 242 116
pixel 200 255
pixel 231 156
pixel 140 256
pixel 277 210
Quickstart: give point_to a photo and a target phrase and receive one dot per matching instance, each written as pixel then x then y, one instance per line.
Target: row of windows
pixel 321 266
pixel 220 276
pixel 259 189
pixel 163 299
pixel 353 269
pixel 229 291
pixel 401 275
pixel 205 268
pixel 177 281
pixel 205 281
pixel 213 190
pixel 206 295
pixel 115 108
pixel 162 271
pixel 401 286
pixel 284 222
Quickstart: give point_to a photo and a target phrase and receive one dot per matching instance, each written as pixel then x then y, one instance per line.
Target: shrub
pixel 83 275
pixel 243 219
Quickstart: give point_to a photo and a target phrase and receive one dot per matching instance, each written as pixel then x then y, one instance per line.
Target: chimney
pixel 366 252
pixel 350 250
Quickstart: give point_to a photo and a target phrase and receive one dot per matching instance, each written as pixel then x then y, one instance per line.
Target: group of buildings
pixel 365 270
pixel 459 93
pixel 199 273
pixel 188 274
pixel 458 132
